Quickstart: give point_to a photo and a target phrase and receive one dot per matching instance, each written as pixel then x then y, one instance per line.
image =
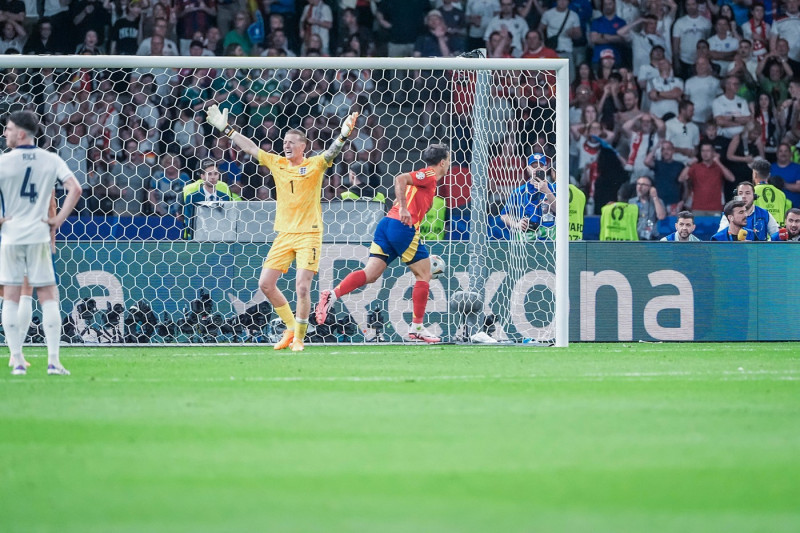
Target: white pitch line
pixel 759 375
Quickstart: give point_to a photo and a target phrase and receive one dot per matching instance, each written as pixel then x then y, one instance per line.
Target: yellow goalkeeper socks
pixel 300 329
pixel 285 312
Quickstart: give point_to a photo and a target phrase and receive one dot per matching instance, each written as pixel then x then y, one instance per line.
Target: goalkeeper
pixel 298 220
pixel 397 235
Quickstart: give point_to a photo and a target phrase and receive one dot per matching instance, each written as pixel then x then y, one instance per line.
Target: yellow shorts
pixel 305 247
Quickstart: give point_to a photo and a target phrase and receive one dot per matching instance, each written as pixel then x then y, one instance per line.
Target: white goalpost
pixel 149 259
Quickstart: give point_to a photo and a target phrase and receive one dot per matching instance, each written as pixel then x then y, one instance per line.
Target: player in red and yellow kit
pixel 397 235
pixel 298 220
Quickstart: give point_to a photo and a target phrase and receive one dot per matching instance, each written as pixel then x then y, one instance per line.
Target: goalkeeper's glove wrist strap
pixel 343 138
pixel 229 131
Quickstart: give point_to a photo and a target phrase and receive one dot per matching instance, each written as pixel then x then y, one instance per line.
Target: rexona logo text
pixel 683 302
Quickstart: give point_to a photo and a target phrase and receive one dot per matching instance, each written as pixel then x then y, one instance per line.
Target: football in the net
pixel 437 266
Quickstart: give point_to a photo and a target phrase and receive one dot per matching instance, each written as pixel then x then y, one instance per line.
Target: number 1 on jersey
pixel 28 190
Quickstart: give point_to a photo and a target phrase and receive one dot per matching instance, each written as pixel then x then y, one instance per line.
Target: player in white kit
pixel 28 176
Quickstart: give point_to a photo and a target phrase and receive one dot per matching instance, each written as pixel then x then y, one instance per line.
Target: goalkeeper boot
pixel 420 333
pixel 57 370
pixel 286 340
pixel 325 302
pixel 19 370
pixel 298 346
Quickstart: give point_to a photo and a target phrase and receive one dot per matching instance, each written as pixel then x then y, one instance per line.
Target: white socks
pixel 12 331
pixel 51 323
pixel 25 313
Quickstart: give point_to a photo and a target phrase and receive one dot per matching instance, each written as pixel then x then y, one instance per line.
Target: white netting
pixel 143 260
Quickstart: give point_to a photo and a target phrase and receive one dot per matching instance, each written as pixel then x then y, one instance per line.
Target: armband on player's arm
pixel 336 146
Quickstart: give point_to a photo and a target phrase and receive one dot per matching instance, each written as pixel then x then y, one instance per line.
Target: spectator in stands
pixel 604 32
pixel 478 14
pixel 90 15
pixel 404 20
pixel 666 171
pixel 702 89
pixel 787 28
pixel 126 32
pixel 643 36
pixel 131 176
pixel 645 133
pixel 734 213
pixel 193 16
pixel 209 188
pixel 756 30
pixel 789 171
pixel 789 116
pixel 238 34
pixel 766 120
pixel 535 48
pixel 611 102
pixel 745 65
pixel 648 72
pixel 42 41
pixel 705 179
pixel 12 37
pixel 530 210
pixel 99 191
pixel 683 133
pixel 166 187
pixel 158 11
pixel 731 112
pixel 743 150
pixel 563 24
pixel 759 220
pixel 686 32
pixel 792 230
pixel 651 209
pixel 228 10
pixel 89 46
pixel 349 27
pixel 73 150
pixel 213 41
pixel 508 21
pixel 455 21
pixel 316 19
pixel 59 16
pixel 776 81
pixel 158 44
pixel 279 42
pixel 684 228
pixel 664 91
pixel 435 42
pixel 722 45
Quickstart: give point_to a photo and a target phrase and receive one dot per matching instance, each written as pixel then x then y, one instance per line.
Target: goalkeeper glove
pixel 349 124
pixel 219 119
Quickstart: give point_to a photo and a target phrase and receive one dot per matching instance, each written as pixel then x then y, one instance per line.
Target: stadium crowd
pixel 683 95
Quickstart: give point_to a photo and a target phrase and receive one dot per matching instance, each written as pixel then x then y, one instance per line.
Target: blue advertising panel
pixel 647 291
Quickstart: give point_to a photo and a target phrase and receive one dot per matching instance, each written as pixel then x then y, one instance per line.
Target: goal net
pixel 153 254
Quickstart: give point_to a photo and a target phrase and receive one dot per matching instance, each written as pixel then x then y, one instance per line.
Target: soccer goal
pixel 155 255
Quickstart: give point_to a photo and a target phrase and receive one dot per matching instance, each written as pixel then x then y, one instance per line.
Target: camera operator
pixel 530 210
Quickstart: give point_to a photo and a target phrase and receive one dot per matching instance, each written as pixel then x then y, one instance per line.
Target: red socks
pixel 351 282
pixel 420 298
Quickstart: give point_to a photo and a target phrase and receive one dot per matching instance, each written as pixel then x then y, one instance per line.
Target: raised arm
pixel 338 143
pixel 219 119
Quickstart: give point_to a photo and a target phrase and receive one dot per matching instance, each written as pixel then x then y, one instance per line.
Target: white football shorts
pixel 32 260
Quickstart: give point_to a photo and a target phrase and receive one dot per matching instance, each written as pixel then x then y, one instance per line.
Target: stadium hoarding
pixel 618 291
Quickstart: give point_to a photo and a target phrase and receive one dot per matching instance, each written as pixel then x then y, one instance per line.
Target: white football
pixel 437 266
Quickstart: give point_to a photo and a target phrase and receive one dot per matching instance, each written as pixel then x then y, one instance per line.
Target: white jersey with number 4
pixel 27 178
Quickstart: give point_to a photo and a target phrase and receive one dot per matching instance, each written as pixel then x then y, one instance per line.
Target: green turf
pixel 594 438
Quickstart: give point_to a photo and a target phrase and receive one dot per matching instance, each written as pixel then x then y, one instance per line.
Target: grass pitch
pixel 596 437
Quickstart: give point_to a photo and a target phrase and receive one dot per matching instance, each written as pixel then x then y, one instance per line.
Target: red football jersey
pixel 419 195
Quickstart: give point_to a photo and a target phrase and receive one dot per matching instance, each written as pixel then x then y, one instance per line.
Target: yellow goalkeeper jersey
pixel 299 192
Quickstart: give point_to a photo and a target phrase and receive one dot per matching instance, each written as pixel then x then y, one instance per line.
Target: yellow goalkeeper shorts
pixel 305 247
